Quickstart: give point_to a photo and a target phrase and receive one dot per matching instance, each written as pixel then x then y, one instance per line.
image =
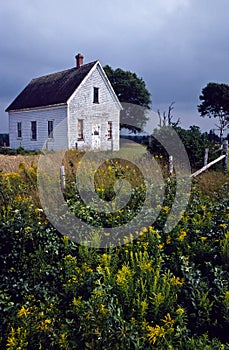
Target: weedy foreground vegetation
pixel 158 291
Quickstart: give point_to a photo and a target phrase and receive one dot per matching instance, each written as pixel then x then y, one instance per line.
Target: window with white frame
pixel 80 129
pixel 50 129
pixel 109 130
pixel 96 95
pixel 19 130
pixel 33 130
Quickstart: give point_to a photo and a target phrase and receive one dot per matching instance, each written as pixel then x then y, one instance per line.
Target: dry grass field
pixel 208 182
pixel 10 163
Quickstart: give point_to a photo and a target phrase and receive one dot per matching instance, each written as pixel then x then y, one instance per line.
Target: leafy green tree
pixel 133 95
pixel 215 103
pixel 193 140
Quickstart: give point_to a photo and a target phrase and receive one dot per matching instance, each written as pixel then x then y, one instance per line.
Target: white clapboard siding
pixel 65 118
pixel 41 116
pixel 81 106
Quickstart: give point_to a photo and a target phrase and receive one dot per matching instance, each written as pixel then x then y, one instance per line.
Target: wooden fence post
pixel 170 165
pixel 206 156
pixel 225 151
pixel 207 166
pixel 62 178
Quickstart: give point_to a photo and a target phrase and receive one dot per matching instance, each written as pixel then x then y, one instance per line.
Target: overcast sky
pixel 176 46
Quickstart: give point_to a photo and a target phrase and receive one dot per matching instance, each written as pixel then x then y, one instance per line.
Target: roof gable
pixel 97 65
pixel 51 89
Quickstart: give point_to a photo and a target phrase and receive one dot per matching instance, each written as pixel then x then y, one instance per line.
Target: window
pixel 19 131
pixel 33 131
pixel 96 95
pixel 109 131
pixel 50 129
pixel 80 129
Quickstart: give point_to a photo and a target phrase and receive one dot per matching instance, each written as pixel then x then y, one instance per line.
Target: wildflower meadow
pixel 154 290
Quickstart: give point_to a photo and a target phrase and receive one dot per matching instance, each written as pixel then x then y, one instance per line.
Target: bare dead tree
pixel 167 118
pixel 170 117
pixel 160 119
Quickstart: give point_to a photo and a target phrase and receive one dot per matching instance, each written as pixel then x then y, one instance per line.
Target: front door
pixel 96 136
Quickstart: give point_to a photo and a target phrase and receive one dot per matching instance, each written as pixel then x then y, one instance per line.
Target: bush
pixel 194 141
pixel 160 291
pixel 19 150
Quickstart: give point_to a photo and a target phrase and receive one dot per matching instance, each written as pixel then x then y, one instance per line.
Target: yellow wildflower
pixel 180 311
pixel 103 309
pixel 155 332
pixel 63 339
pixel 44 325
pixel 11 340
pixel 23 312
pixel 183 234
pixel 168 321
pixel 176 281
pixel 168 240
pixel 124 275
pixel 11 176
pixel 166 209
pixel 38 210
pixel 144 229
pixel 160 246
pixel 222 225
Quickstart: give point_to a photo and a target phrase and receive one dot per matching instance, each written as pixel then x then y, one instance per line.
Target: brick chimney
pixel 79 60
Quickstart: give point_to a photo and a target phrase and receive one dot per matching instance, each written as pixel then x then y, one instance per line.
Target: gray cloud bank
pixel 176 46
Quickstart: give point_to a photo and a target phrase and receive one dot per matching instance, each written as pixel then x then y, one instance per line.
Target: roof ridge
pixel 51 89
pixel 65 70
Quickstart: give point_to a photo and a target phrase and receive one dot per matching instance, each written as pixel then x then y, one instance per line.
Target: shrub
pixel 160 291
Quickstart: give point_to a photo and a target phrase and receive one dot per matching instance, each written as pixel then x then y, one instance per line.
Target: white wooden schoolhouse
pixel 74 108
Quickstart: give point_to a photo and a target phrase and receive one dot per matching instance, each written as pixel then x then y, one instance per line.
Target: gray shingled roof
pixel 51 89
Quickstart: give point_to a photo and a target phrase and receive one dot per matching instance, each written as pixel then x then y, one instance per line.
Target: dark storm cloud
pixel 176 46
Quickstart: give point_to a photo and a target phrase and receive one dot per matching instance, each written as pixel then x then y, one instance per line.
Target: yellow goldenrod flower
pixel 222 225
pixel 176 281
pixel 63 339
pixel 38 210
pixel 168 240
pixel 144 229
pixel 168 321
pixel 180 311
pixel 124 275
pixel 155 332
pixel 160 246
pixel 166 209
pixel 23 312
pixel 103 309
pixel 183 234
pixel 11 176
pixel 44 325
pixel 11 340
